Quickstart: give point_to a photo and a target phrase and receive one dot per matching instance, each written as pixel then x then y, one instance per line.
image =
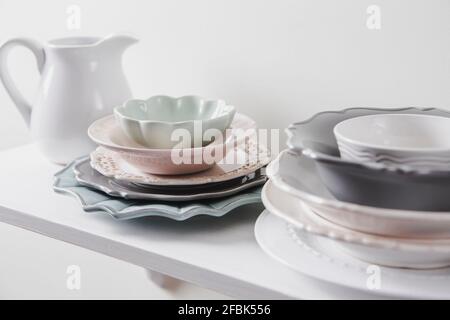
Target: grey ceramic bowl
pixel 373 184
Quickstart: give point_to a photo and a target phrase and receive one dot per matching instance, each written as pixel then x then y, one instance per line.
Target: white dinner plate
pixel 319 258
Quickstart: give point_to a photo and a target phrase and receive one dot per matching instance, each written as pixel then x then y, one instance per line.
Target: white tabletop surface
pixel 217 253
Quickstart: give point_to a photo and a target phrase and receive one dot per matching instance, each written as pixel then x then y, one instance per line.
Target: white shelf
pixel 216 253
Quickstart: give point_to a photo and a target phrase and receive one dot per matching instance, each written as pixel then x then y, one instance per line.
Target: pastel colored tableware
pixel 308 186
pixel 89 177
pixel 367 183
pixel 402 139
pixel 107 133
pixel 380 250
pixel 163 122
pixel 240 161
pixel 352 154
pixel 124 209
pixel 317 257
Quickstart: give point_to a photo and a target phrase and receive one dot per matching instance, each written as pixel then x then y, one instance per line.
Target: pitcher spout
pixel 117 42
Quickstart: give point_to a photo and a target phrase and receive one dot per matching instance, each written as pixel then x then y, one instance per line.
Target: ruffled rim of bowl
pixel 326 158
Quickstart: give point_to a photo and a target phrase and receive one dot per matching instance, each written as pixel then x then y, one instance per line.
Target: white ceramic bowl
pixel 396 139
pixel 163 122
pixel 107 133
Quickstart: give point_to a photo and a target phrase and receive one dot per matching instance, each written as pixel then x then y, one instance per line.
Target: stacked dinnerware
pixel 420 141
pixel 364 186
pixel 171 157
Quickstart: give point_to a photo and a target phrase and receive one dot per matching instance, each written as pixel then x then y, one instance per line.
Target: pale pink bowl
pixel 108 134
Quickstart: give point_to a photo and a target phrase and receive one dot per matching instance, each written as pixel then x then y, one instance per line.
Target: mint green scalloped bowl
pixel 163 122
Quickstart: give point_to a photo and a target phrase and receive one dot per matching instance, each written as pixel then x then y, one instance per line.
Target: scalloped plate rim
pixel 182 214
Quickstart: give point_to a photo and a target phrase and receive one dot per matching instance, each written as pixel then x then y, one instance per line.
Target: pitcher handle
pixel 22 104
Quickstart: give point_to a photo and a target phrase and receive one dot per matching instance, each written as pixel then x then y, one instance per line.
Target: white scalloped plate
pixel 318 258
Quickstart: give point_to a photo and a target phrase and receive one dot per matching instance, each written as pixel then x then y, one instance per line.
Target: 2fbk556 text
pixel 250 309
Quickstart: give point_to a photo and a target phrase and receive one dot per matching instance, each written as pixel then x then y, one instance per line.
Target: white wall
pixel 277 60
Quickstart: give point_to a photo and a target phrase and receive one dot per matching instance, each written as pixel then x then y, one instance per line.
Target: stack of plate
pixel 119 176
pixel 339 220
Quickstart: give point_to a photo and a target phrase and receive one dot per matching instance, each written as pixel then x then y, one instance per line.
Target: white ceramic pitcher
pixel 81 80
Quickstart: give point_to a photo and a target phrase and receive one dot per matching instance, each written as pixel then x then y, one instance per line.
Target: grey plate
pixel 89 177
pixel 369 184
pixel 123 209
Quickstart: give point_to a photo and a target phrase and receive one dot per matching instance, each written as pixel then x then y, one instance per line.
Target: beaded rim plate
pixel 317 257
pixel 124 209
pixel 110 164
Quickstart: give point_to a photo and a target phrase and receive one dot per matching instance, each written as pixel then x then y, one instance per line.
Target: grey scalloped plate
pixel 377 185
pixel 89 177
pixel 124 209
pixel 315 138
